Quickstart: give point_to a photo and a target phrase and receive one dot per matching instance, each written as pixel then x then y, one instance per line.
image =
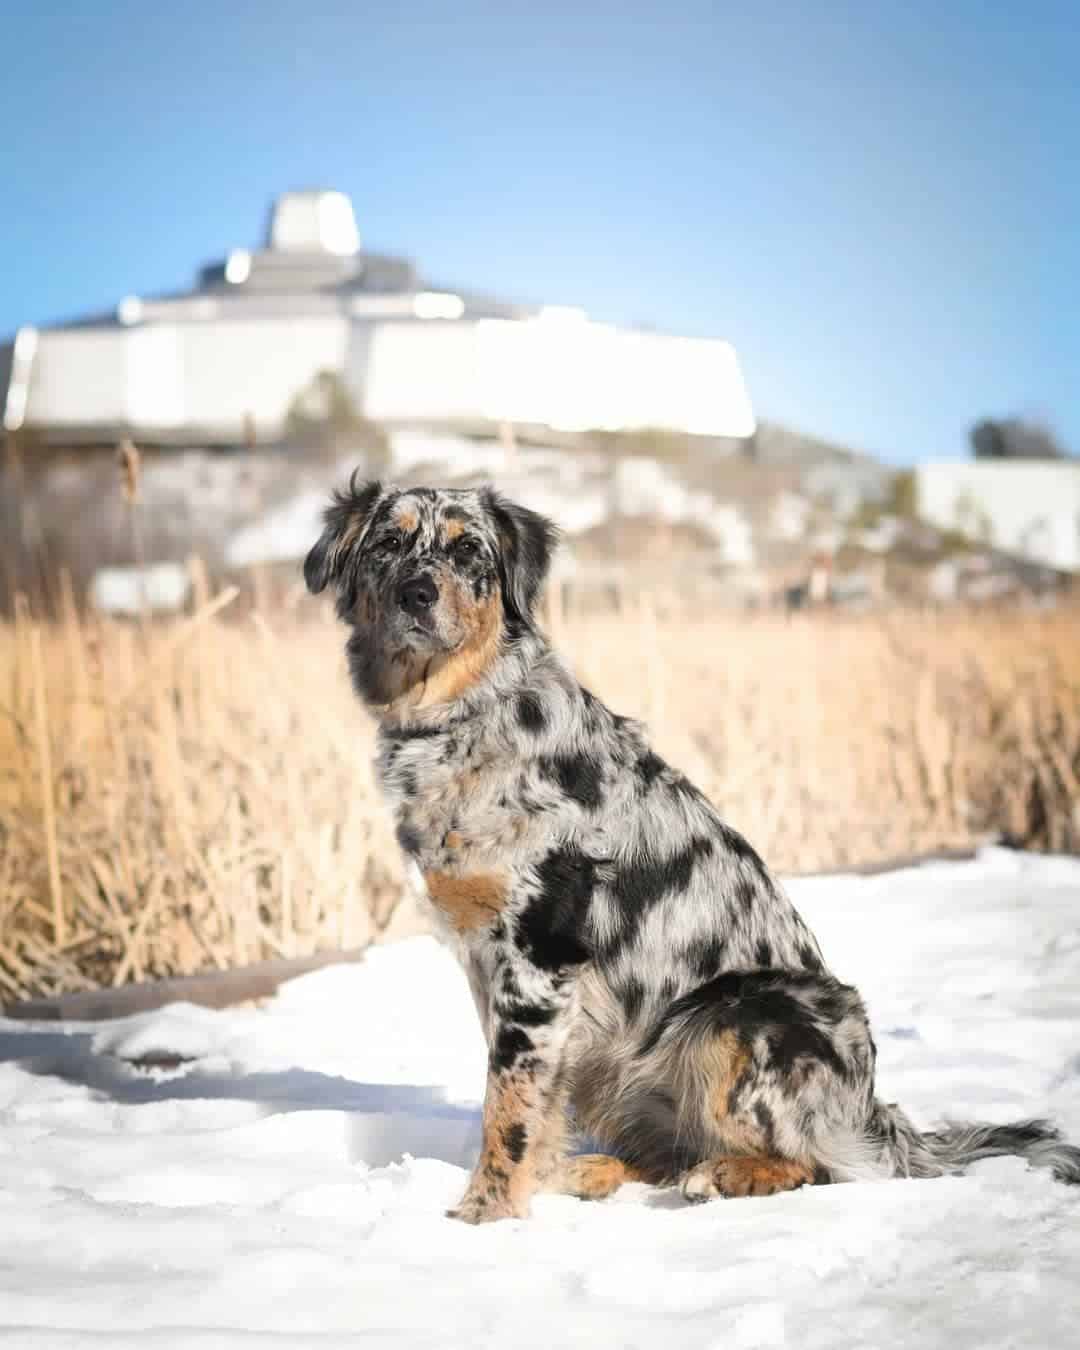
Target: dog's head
pixel 432 582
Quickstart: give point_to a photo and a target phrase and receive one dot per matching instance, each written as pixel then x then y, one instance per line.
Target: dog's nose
pixel 417 595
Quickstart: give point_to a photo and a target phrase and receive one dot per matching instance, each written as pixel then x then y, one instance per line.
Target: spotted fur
pixel 638 972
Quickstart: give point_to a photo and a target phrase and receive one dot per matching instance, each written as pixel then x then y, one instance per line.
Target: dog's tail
pixel 891 1146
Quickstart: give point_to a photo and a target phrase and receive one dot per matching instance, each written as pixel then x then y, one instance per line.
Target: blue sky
pixel 878 203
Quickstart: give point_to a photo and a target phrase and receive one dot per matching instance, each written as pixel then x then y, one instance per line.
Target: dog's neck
pixel 508 669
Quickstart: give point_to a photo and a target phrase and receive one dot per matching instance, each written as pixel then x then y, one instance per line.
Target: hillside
pixel 783 519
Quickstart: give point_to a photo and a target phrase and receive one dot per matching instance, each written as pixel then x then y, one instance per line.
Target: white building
pixel 1027 507
pixel 226 361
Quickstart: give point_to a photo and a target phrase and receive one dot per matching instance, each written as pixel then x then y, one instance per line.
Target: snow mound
pixel 287 1182
pixel 578 491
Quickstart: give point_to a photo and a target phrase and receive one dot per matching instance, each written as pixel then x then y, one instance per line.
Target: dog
pixel 636 969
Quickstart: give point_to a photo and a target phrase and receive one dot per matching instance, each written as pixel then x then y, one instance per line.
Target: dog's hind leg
pixel 772 1075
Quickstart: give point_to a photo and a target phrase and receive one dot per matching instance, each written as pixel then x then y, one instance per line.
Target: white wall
pixel 168 377
pixel 1031 508
pixel 78 377
pixel 232 369
pixel 563 372
pixel 206 377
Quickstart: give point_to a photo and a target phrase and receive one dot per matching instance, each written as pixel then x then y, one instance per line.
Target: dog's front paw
pixel 486 1209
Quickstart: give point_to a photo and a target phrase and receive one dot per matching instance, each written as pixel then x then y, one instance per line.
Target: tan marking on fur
pixel 467 902
pixel 762 1175
pixel 405 518
pixel 450 676
pixel 499 1187
pixel 593 1176
pixel 424 681
pixel 724 1060
pixel 453 840
pixel 453 529
pixel 350 534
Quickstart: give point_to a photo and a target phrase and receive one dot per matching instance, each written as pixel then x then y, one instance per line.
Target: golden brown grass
pixel 197 793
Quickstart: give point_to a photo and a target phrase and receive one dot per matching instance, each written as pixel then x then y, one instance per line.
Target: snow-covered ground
pixel 577 490
pixel 287 1186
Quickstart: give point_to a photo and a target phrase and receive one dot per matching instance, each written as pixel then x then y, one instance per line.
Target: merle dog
pixel 637 970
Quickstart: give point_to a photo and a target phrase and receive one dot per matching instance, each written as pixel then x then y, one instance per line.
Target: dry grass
pixel 195 793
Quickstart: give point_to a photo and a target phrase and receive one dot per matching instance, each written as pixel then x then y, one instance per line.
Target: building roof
pixel 311 263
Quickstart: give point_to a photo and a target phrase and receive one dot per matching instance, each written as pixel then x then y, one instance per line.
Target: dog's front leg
pixel 523 1094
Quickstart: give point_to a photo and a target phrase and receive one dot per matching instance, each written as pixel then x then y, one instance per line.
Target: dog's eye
pixel 467 549
pixel 390 543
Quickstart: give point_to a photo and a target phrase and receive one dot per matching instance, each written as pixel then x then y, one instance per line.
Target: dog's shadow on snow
pixel 384 1120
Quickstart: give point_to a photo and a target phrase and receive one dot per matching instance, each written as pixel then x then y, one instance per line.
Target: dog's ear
pixel 345 520
pixel 526 543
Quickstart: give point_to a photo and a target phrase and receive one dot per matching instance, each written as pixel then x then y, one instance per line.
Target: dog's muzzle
pixel 417 596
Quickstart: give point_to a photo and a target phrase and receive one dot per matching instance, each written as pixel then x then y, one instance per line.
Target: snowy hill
pixel 278 1177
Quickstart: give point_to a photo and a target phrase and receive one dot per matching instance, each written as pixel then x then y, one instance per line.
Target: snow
pixel 644 487
pixel 281 535
pixel 789 517
pixel 158 588
pixel 578 491
pixel 287 1185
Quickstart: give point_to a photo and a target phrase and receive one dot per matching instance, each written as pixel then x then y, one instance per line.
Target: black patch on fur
pixel 579 776
pixel 514 1141
pixel 421 731
pixel 529 711
pixel 809 957
pixel 764 1118
pixel 667 990
pixel 833 1002
pixel 704 956
pixel 408 836
pixel 631 994
pixel 527 1014
pixel 526 543
pixel 759 1002
pixel 746 893
pixel 551 928
pixel 763 954
pixel 801 1043
pixel 594 711
pixel 637 886
pixel 648 768
pixel 510 1044
pixel 737 846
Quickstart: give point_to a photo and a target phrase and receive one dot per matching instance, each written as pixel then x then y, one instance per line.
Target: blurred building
pixel 227 361
pixel 1027 507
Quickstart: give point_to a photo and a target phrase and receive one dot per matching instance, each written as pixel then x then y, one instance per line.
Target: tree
pixel 1013 438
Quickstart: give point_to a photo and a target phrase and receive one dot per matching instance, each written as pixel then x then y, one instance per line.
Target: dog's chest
pixel 456 818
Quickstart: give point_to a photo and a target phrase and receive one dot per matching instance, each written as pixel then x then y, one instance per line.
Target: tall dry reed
pixel 197 793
